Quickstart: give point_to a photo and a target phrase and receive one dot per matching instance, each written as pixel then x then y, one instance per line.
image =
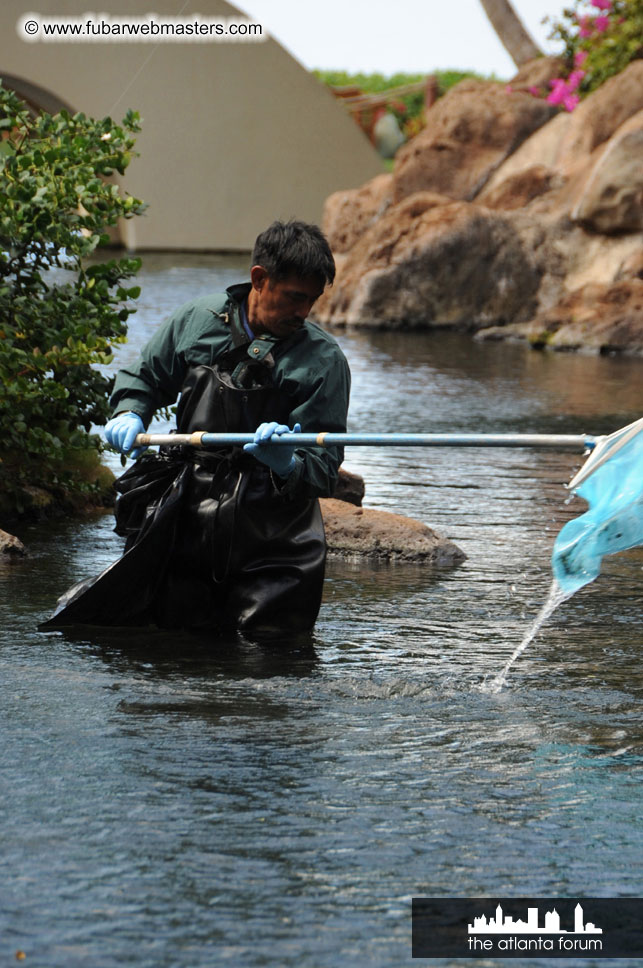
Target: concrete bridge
pixel 234 134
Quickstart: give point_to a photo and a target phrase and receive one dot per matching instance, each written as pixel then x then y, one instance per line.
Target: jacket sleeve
pixel 155 379
pixel 322 406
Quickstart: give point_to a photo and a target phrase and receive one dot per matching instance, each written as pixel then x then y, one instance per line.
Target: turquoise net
pixel 614 521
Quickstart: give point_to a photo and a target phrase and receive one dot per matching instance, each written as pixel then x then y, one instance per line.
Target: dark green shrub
pixel 60 311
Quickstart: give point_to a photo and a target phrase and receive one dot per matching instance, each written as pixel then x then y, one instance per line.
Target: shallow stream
pixel 167 802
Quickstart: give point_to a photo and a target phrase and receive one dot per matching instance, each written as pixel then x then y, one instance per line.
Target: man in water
pixel 228 538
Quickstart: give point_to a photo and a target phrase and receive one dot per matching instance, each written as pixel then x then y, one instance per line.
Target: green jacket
pixel 309 366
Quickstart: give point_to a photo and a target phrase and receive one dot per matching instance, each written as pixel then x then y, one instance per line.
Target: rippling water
pixel 173 802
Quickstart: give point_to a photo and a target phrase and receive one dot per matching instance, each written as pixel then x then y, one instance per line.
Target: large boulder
pixel 598 117
pixel 430 261
pixel 565 144
pixel 520 189
pixel 353 532
pixel 611 198
pixel 541 148
pixel 529 170
pixel 597 317
pixel 469 133
pixel 631 266
pixel 349 213
pixel 537 73
pixel 586 256
pixel 10 545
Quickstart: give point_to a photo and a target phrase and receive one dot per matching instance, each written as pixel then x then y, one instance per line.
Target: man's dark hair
pixel 294 249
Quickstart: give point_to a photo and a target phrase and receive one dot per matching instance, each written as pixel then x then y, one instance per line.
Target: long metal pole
pixel 201 439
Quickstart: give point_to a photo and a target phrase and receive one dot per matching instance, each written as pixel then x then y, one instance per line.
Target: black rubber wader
pixel 212 543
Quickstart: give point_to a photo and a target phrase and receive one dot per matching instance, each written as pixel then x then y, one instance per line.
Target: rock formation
pixel 599 318
pixel 355 532
pixel 11 546
pixel 431 261
pixel 503 215
pixel 611 197
pixel 469 133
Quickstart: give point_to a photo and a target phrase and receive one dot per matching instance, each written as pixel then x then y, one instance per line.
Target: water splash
pixel 555 598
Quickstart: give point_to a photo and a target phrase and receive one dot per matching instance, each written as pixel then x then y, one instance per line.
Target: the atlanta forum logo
pixel 550 937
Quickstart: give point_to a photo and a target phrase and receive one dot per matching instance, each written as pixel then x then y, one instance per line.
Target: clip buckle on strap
pixel 260 347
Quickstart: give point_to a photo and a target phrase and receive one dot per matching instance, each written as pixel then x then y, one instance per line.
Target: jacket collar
pixel 237 296
pixel 261 345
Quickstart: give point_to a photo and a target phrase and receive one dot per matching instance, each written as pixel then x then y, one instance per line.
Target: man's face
pixel 280 308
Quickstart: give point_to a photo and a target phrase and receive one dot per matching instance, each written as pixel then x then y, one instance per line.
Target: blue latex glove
pixel 280 458
pixel 121 432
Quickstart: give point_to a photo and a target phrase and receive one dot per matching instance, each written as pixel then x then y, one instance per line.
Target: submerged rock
pixel 353 532
pixel 10 545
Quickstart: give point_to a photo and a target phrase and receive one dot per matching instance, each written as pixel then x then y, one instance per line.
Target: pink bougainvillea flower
pixel 534 90
pixel 562 93
pixel 558 91
pixel 508 89
pixel 602 4
pixel 586 27
pixel 579 58
pixel 574 79
pixel 601 24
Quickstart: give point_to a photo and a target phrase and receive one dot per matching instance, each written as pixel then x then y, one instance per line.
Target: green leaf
pixel 55 327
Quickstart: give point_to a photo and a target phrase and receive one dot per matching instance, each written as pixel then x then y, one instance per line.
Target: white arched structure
pixel 234 134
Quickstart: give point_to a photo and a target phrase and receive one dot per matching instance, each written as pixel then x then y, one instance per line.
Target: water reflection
pixel 508 382
pixel 163 654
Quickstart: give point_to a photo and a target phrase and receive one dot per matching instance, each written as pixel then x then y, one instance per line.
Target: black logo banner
pixel 536 927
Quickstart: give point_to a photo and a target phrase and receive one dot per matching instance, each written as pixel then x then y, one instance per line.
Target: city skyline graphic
pixel 505 924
